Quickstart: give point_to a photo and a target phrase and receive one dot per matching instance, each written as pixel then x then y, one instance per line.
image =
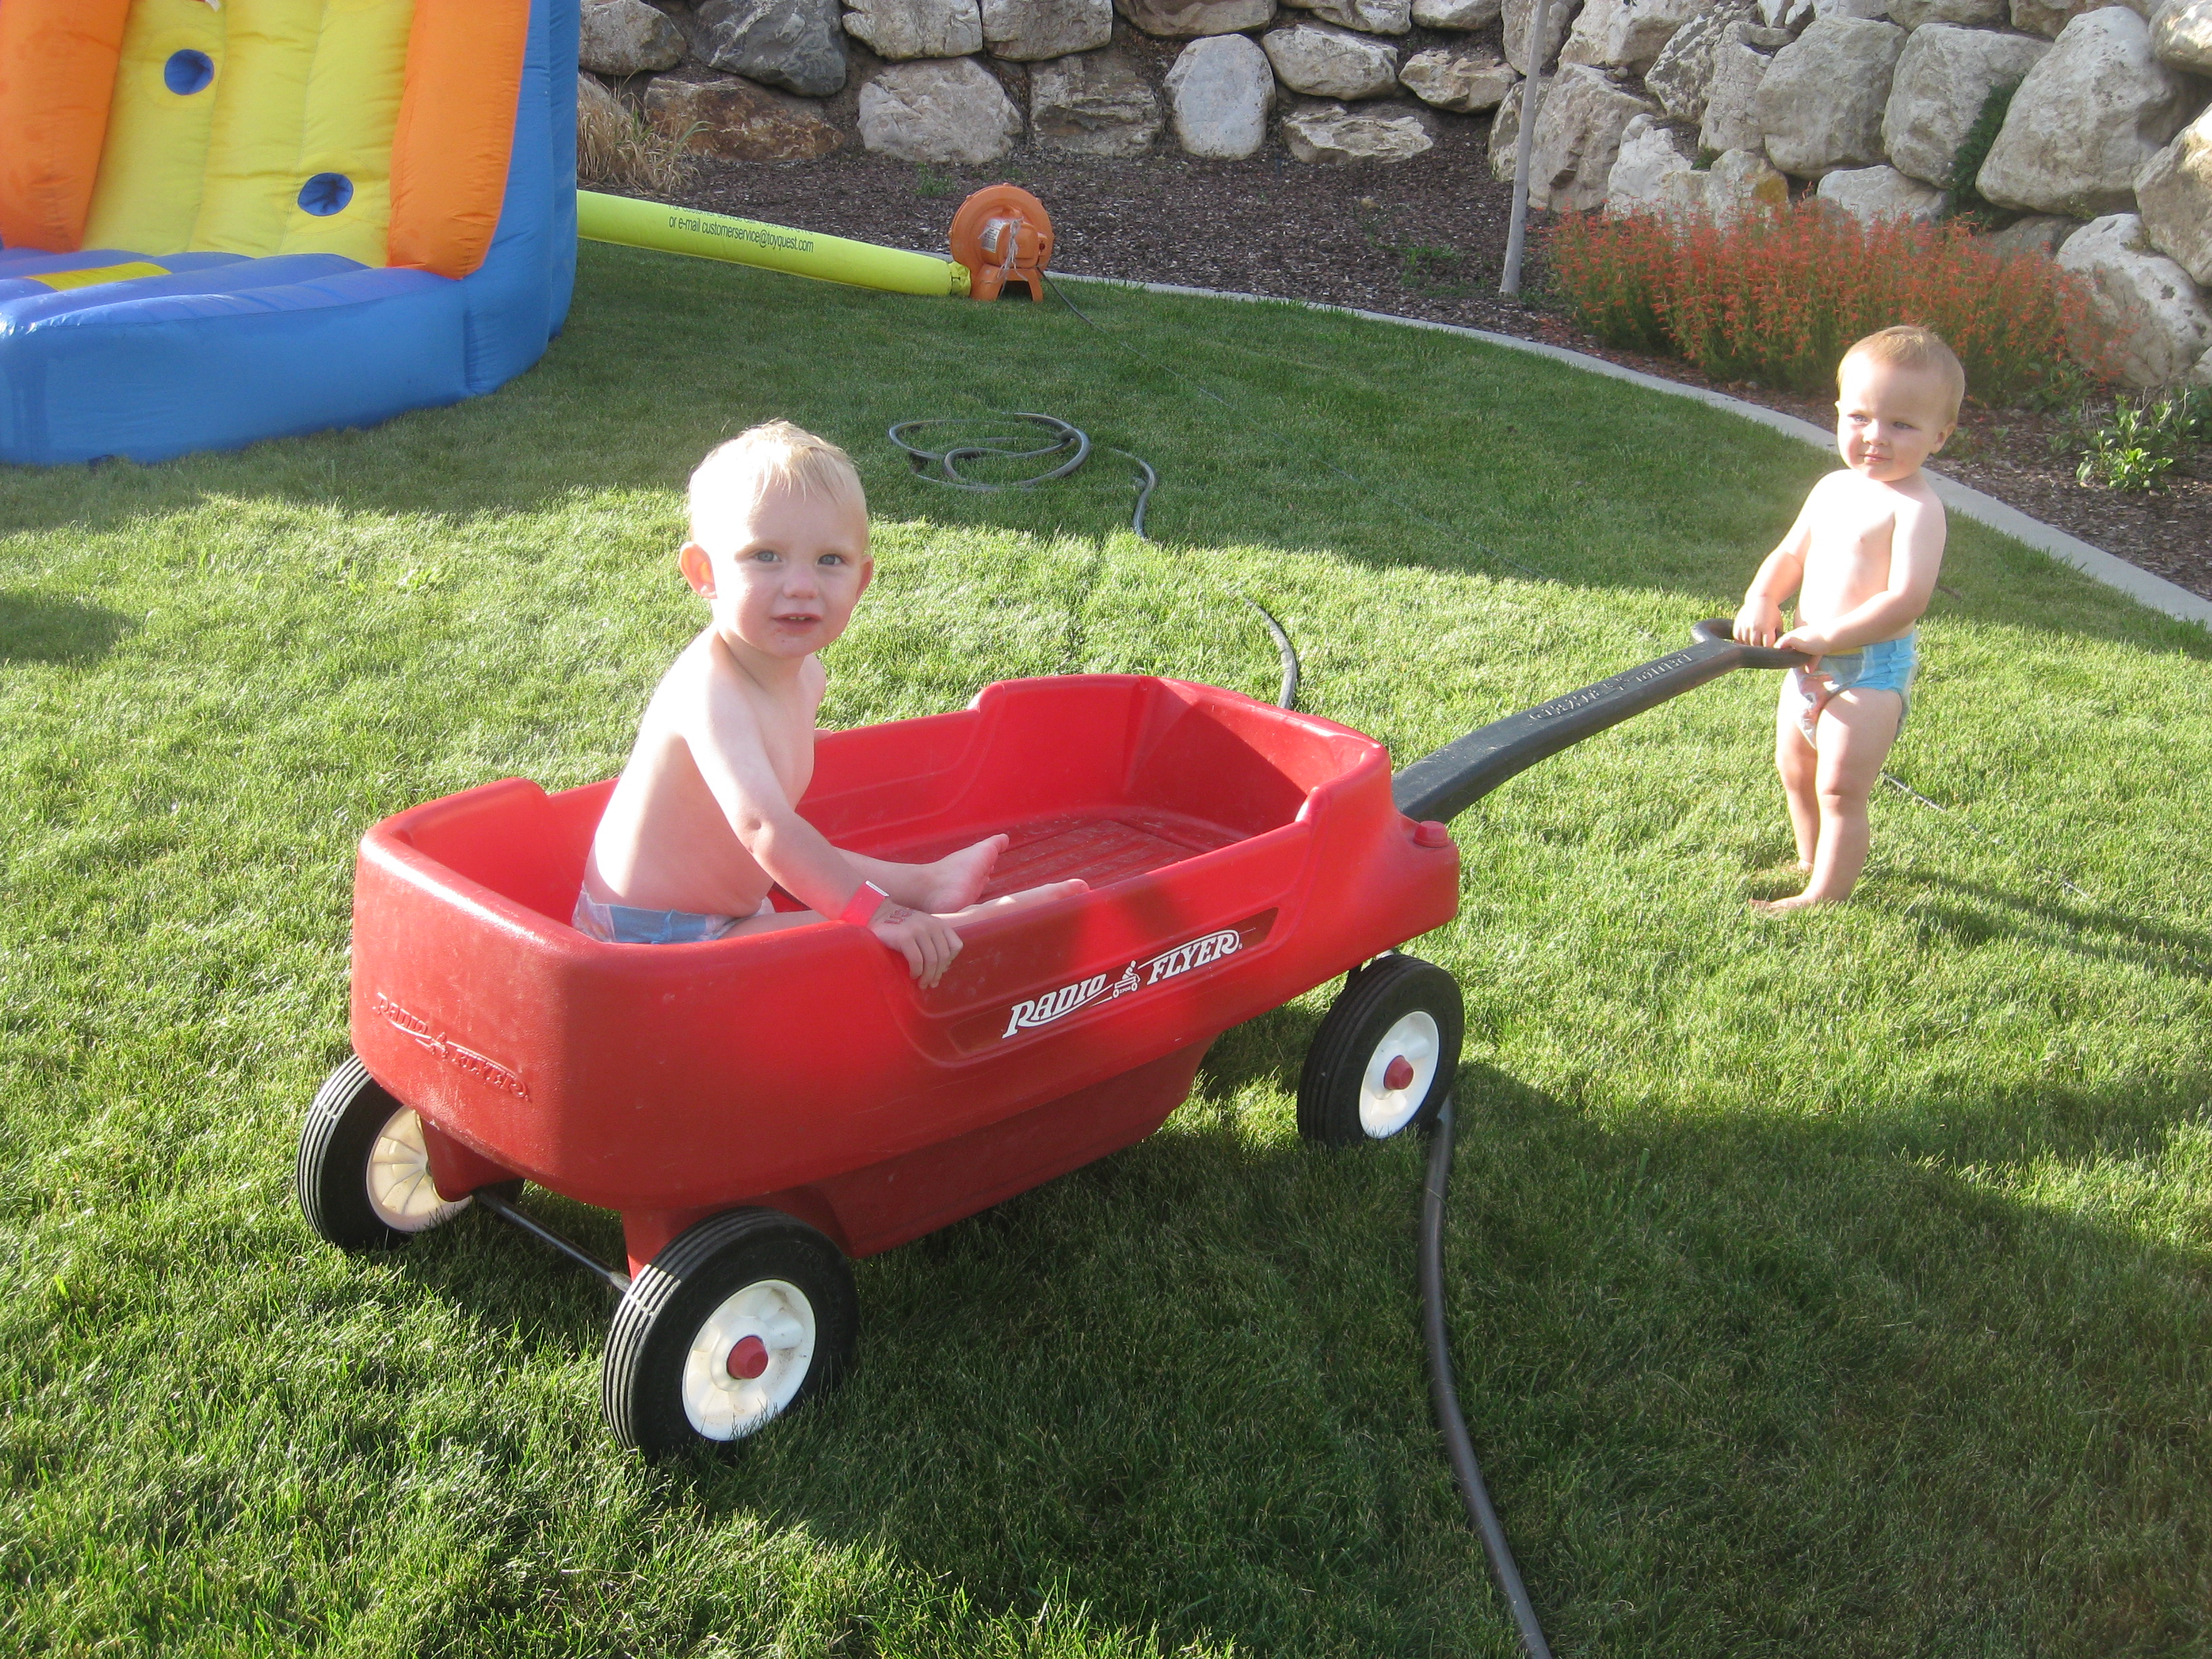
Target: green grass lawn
pixel 1835 1287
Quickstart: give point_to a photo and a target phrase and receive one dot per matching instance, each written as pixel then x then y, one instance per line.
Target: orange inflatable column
pixel 58 61
pixel 456 133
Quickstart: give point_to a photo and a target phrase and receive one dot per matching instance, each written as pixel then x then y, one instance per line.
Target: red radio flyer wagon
pixel 759 1109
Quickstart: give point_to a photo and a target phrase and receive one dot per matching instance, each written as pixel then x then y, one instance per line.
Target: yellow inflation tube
pixel 601 218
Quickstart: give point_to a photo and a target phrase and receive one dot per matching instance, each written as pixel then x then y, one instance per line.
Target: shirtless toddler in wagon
pixel 704 820
pixel 1861 559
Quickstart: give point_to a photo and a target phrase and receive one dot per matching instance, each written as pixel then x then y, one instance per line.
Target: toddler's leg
pixel 1026 899
pixel 1797 761
pixel 1857 729
pixel 953 883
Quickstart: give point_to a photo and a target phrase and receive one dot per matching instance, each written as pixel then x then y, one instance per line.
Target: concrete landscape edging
pixel 2153 592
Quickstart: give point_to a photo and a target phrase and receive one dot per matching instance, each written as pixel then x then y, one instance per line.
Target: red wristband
pixel 867 899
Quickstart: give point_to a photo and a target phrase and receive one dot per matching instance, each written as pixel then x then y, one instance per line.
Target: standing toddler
pixel 1862 560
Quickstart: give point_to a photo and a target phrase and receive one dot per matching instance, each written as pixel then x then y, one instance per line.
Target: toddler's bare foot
pixel 957 880
pixel 1028 898
pixel 1784 906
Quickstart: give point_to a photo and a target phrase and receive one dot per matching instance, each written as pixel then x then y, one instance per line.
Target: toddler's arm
pixel 1758 618
pixel 724 739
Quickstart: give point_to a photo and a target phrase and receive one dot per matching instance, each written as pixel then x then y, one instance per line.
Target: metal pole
pixel 1524 144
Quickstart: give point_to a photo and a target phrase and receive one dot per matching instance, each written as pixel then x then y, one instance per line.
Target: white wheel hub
pixel 400 1190
pixel 1398 1075
pixel 748 1358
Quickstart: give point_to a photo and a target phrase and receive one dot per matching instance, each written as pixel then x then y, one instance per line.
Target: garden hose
pixel 942 466
pixel 1443 1394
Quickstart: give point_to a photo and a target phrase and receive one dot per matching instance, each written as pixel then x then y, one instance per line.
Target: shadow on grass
pixel 1976 912
pixel 1181 1386
pixel 40 627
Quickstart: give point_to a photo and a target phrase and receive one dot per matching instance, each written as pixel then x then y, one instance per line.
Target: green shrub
pixel 1968 201
pixel 2138 447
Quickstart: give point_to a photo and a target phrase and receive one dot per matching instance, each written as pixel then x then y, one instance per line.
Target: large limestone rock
pixel 916 28
pixel 2092 111
pixel 1820 107
pixel 738 121
pixel 1330 133
pixel 797 45
pixel 2049 18
pixel 1872 195
pixel 947 112
pixel 627 37
pixel 1624 35
pixel 2181 35
pixel 1373 16
pixel 1579 121
pixel 1519 13
pixel 1183 19
pixel 1095 104
pixel 1220 91
pixel 1970 14
pixel 1455 14
pixel 1653 152
pixel 1739 69
pixel 2174 192
pixel 1331 63
pixel 1739 182
pixel 1943 78
pixel 2039 233
pixel 2157 317
pixel 1464 80
pixel 1032 31
pixel 1678 77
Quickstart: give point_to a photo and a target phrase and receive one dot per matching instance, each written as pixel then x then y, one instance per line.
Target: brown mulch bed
pixel 1423 238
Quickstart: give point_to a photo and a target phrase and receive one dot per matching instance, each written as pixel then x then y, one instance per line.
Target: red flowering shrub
pixel 1778 298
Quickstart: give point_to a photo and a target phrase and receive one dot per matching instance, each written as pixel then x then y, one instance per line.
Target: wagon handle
pixel 1445 783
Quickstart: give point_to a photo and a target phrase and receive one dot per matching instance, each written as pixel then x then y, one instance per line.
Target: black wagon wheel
pixel 364 1173
pixel 743 1317
pixel 1383 1059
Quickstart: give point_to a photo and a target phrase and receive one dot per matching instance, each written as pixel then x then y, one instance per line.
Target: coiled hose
pixel 942 466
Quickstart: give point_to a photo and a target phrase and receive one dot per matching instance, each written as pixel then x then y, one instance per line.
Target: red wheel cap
pixel 1430 833
pixel 748 1358
pixel 1398 1074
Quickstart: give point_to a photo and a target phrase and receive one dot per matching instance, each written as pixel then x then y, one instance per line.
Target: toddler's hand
pixel 1810 641
pixel 1758 622
pixel 928 942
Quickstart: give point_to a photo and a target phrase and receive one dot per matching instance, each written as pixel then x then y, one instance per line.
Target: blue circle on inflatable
pixel 187 72
pixel 326 193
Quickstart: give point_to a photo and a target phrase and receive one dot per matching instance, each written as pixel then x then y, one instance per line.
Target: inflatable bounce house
pixel 228 220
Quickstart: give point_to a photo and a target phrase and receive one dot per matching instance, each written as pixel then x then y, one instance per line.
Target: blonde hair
pixel 1910 346
pixel 730 482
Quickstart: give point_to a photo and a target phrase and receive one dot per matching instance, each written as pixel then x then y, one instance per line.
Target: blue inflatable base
pixel 222 351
